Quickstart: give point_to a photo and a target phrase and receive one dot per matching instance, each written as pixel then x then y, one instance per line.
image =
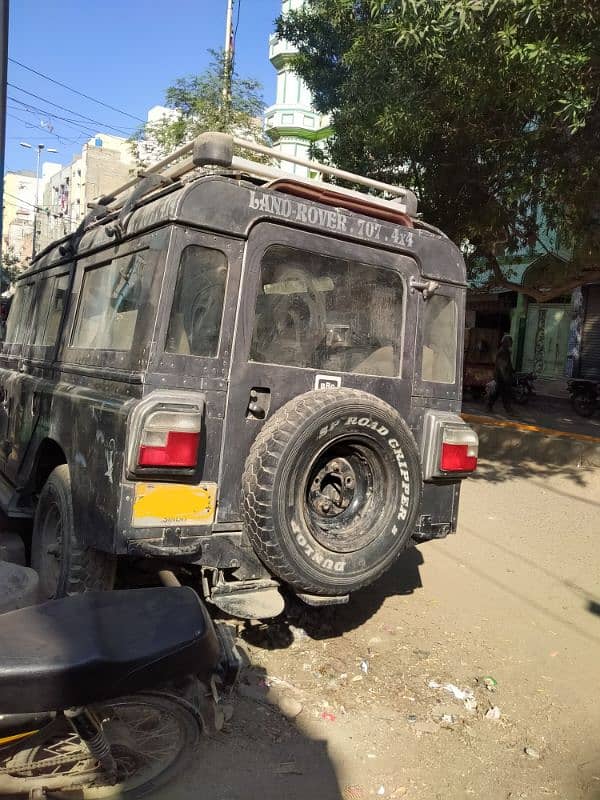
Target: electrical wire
pixel 121 131
pixel 61 139
pixel 40 209
pixel 31 109
pixel 237 21
pixel 76 91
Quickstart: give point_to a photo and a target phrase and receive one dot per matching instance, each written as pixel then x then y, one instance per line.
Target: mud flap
pixel 249 600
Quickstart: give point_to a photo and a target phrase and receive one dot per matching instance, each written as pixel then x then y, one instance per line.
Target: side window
pixel 14 315
pixel 195 323
pixel 40 310
pixel 57 304
pixel 327 313
pixel 49 310
pixel 18 325
pixel 438 361
pixel 111 298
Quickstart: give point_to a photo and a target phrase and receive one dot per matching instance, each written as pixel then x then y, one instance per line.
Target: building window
pixel 287 119
pixel 309 122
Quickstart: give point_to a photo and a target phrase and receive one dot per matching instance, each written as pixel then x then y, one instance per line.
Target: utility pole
pixel 228 60
pixel 3 79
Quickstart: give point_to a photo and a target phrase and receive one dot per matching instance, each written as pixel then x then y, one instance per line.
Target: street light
pixel 39 149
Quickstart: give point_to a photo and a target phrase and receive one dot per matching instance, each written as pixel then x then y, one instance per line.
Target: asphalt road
pixel 515 595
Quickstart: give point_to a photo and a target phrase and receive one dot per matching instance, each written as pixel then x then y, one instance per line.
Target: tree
pixel 11 266
pixel 199 106
pixel 488 109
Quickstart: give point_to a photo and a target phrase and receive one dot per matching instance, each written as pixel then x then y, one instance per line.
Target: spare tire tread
pixel 259 475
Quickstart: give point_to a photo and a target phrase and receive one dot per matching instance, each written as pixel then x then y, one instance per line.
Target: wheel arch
pixel 49 455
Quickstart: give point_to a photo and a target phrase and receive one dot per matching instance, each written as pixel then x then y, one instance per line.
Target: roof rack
pixel 217 149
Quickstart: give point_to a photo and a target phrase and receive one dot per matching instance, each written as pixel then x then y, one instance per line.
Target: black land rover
pixel 239 373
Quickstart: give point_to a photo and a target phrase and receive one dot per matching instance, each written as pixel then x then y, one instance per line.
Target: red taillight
pixel 456 458
pixel 459 449
pixel 180 450
pixel 170 439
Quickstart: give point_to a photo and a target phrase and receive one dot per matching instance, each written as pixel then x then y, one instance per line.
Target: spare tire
pixel 331 490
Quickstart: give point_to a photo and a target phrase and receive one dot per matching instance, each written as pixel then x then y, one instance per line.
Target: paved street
pixel 515 596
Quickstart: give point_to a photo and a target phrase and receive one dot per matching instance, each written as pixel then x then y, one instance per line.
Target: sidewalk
pixel 552 387
pixel 554 413
pixel 546 431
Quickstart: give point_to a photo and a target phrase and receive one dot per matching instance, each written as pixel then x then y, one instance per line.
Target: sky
pixel 123 53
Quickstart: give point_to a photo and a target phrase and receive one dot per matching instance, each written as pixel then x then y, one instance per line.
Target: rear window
pixel 111 298
pixel 327 313
pixel 195 323
pixel 438 362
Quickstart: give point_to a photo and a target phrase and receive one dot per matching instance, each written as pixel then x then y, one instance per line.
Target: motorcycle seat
pixel 100 645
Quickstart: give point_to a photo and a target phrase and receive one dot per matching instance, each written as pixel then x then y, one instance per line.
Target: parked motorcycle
pixel 585 396
pixel 104 695
pixel 523 388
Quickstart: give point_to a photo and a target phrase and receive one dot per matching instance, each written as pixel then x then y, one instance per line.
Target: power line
pixel 76 91
pixel 61 139
pixel 70 110
pixel 40 209
pixel 31 109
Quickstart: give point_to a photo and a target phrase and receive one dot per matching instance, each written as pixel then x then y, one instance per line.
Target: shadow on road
pixel 328 622
pixel 509 466
pixel 594 608
pixel 261 754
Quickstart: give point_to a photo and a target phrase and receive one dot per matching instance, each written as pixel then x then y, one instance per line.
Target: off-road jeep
pixel 237 372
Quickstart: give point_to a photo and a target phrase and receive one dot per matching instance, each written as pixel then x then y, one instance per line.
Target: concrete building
pixel 17 214
pixel 291 122
pixel 104 163
pixel 149 151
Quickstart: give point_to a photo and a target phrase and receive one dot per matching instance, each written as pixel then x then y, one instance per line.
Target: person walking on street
pixel 503 375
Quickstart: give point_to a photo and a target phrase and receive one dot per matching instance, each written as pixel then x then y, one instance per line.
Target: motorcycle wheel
pixel 520 395
pixel 152 739
pixel 584 404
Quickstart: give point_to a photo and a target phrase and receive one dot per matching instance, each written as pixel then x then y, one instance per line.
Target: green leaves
pixel 200 106
pixel 478 105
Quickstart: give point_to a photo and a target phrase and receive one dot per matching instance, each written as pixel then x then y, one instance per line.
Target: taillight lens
pixel 460 446
pixel 170 439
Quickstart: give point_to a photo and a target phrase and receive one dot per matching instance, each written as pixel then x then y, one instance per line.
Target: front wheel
pixel 64 563
pixel 151 738
pixel 584 404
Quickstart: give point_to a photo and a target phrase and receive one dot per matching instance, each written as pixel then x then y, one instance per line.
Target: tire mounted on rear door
pixel 331 490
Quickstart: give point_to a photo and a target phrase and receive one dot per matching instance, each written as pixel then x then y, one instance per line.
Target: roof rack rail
pixel 217 149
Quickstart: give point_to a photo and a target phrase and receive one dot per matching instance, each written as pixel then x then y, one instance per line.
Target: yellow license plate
pixel 158 504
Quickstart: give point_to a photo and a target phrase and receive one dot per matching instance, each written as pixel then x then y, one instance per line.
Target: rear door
pixel 313 312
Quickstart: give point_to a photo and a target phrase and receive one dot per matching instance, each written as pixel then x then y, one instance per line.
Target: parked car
pixel 252 377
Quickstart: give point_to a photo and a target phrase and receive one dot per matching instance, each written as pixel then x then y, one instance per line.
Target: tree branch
pixel 539 295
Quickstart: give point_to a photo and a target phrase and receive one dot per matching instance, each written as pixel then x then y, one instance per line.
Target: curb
pixel 505 440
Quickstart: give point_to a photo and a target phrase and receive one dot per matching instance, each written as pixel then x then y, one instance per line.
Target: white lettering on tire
pixel 325 563
pixel 394 445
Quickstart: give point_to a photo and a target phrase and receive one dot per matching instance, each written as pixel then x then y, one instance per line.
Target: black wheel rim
pixel 345 490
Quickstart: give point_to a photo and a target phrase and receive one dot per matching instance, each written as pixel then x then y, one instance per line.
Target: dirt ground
pixel 514 596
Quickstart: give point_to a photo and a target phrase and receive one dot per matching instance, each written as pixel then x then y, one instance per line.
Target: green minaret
pixel 291 122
